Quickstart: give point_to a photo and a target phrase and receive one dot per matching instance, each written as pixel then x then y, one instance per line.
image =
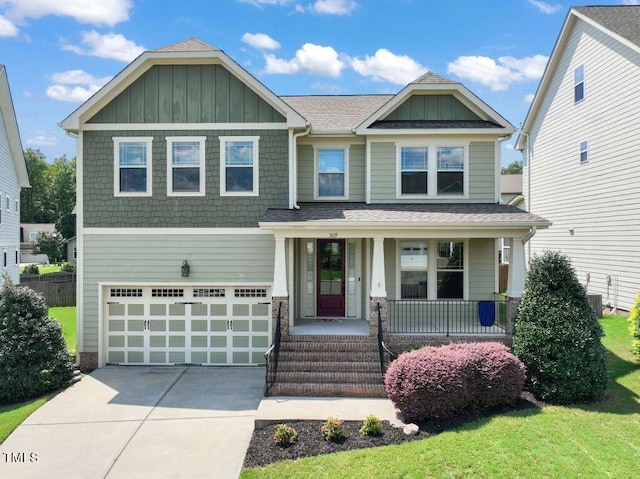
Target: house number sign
pixel 333 235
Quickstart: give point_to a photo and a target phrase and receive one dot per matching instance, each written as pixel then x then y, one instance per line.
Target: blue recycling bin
pixel 486 312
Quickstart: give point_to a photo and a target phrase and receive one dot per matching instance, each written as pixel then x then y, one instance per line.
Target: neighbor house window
pixel 413 270
pixel 185 166
pixel 578 84
pixel 75 250
pixel 132 166
pixel 332 167
pixel 450 170
pixel 17 206
pixel 506 250
pixel 584 151
pixel 5 258
pixel 414 164
pixel 8 201
pixel 450 270
pixel 239 166
pixel 32 235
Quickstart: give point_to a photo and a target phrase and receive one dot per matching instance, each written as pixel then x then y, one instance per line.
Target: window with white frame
pixel 578 83
pixel 32 235
pixel 506 250
pixel 132 166
pixel 332 165
pixel 413 269
pixel 239 166
pixel 17 205
pixel 584 151
pixel 75 250
pixel 8 202
pixel 446 162
pixel 185 166
pixel 450 270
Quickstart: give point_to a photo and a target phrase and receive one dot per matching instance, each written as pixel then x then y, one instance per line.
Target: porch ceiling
pixel 449 216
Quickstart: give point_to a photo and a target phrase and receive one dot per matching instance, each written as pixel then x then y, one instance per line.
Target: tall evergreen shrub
pixel 634 326
pixel 33 355
pixel 557 335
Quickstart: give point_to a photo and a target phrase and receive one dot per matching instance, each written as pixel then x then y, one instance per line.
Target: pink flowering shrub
pixel 439 382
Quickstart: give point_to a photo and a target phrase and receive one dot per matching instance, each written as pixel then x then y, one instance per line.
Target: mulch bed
pixel 263 450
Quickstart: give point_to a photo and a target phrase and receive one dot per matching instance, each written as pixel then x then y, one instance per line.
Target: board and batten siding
pixel 593 206
pixel 10 219
pixel 224 259
pixel 482 174
pixel 187 94
pixel 103 209
pixel 432 107
pixel 306 172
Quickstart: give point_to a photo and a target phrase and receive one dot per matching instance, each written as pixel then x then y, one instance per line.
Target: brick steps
pixel 329 366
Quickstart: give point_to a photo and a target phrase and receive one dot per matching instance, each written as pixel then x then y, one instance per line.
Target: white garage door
pixel 187 325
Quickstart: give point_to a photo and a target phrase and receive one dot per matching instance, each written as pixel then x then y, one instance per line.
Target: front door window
pixel 330 278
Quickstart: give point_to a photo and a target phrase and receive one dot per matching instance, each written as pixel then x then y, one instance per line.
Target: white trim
pixel 256 168
pixel 80 241
pixel 117 140
pixel 367 160
pixel 11 127
pixel 214 284
pixel 177 231
pixel 316 183
pixel 201 140
pixel 182 126
pixel 432 167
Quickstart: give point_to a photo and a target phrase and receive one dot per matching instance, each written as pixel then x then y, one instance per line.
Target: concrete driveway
pixel 140 422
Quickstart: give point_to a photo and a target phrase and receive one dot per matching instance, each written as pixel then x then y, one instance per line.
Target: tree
pixel 634 326
pixel 33 355
pixel 34 206
pixel 51 244
pixel 557 335
pixel 513 168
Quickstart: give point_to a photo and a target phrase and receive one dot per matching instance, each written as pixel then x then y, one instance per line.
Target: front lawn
pixel 582 441
pixel 12 416
pixel 66 316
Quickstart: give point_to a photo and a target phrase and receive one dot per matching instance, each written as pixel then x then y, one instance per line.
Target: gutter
pixel 294 150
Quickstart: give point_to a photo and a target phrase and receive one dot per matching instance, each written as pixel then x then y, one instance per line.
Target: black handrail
pixel 382 348
pixel 272 354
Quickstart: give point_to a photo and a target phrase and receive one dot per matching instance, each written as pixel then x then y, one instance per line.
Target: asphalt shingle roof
pixel 441 214
pixel 189 45
pixel 511 184
pixel 623 20
pixel 430 77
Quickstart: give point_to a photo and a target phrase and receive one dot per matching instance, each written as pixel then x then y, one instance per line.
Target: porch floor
pixel 330 327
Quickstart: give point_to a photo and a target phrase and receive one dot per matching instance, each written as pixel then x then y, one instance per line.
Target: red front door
pixel 330 277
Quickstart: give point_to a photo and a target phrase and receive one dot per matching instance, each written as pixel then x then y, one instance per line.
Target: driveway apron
pixel 140 422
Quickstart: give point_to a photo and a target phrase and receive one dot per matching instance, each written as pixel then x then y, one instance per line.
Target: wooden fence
pixel 57 291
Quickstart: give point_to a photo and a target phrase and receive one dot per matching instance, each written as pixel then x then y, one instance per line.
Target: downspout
pixel 528 195
pixel 294 148
pixel 529 235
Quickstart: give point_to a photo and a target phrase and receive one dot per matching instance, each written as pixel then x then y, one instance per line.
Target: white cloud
pixel 331 88
pixel 528 98
pixel 387 66
pixel 85 85
pixel 311 59
pixel 95 12
pixel 260 41
pixel 42 140
pixel 109 45
pixel 333 7
pixel 631 2
pixel 501 74
pixel 545 7
pixel 509 146
pixel 7 29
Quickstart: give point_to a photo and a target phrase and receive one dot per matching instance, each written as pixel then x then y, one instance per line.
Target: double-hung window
pixel 450 170
pixel 332 178
pixel 414 167
pixel 450 275
pixel 413 269
pixel 132 166
pixel 185 166
pixel 239 166
pixel 584 151
pixel 578 83
pixel 431 171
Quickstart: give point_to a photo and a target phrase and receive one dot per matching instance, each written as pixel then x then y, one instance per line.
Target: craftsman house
pixel 214 216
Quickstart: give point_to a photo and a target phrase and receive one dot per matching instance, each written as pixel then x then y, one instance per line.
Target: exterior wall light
pixel 185 269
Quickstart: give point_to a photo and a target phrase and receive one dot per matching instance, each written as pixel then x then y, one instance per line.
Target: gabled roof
pixel 621 23
pixel 432 83
pixel 11 127
pixel 191 51
pixel 338 113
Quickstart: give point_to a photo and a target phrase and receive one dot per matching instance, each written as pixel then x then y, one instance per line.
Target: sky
pixel 59 52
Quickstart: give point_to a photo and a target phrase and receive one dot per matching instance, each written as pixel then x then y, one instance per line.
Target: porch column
pixel 279 293
pixel 517 269
pixel 378 294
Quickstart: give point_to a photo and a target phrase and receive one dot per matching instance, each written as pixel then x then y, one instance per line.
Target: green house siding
pixel 187 94
pixel 103 209
pixel 481 174
pixel 432 107
pixel 221 259
pixel 306 169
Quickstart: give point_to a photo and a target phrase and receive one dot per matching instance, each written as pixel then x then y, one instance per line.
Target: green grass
pixel 66 316
pixel 581 441
pixel 12 416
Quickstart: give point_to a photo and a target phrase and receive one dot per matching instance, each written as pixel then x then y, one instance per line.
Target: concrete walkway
pixel 126 422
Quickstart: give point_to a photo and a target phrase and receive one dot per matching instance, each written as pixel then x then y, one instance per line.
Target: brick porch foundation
pixel 87 361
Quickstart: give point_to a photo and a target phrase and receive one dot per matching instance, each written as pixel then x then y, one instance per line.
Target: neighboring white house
pixel 580 144
pixel 13 177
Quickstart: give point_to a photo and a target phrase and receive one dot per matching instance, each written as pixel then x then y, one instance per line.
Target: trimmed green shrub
pixel 31 269
pixel 285 435
pixel 33 355
pixel 439 382
pixel 557 335
pixel 634 326
pixel 372 426
pixel 332 429
pixel 68 268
